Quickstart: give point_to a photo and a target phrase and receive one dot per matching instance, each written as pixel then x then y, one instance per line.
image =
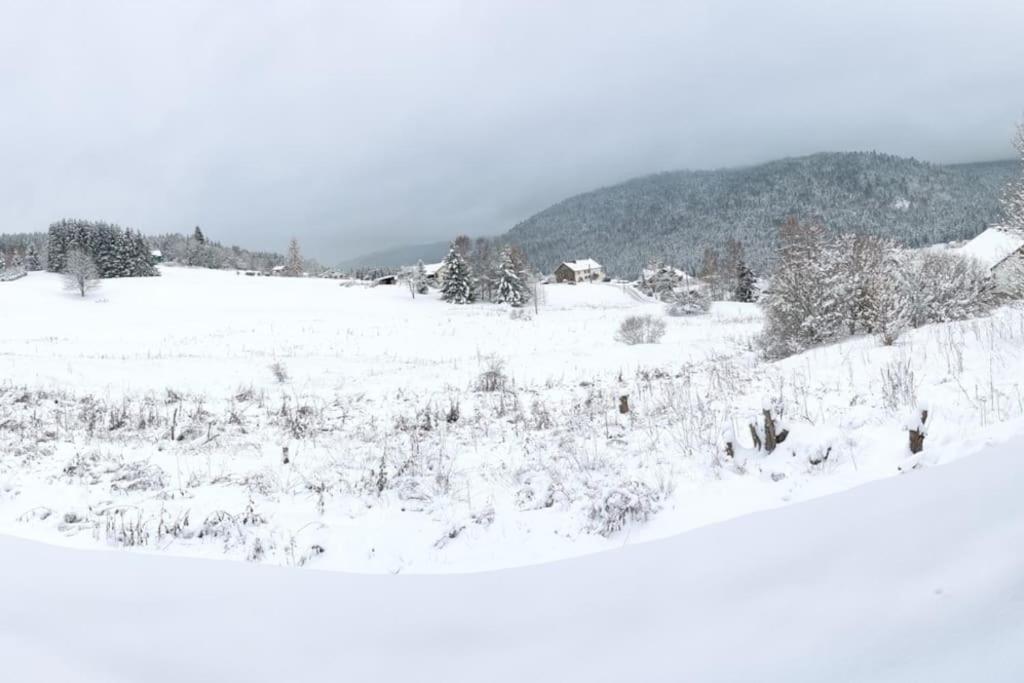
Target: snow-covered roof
pixel 993 246
pixel 582 264
pixel 277 269
pixel 432 268
pixel 155 252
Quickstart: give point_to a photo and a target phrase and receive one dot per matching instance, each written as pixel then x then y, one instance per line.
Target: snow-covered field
pixel 423 437
pixel 917 578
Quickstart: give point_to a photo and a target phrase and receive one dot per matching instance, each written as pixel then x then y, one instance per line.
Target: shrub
pixel 641 329
pixel 493 378
pixel 279 371
pixel 688 302
pixel 613 508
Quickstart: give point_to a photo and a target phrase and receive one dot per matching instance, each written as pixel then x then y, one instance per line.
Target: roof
pixel 581 264
pixel 432 268
pixel 155 252
pixel 993 246
pixel 278 268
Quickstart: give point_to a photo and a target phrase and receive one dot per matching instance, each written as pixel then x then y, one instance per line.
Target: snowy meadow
pixel 297 421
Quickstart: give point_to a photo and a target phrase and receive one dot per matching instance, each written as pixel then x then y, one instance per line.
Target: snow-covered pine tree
pixel 513 289
pixel 420 278
pixel 458 282
pixel 56 249
pixel 198 236
pixel 3 261
pixel 746 283
pixel 293 262
pixel 31 257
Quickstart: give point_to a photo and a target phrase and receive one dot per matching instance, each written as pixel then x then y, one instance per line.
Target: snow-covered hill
pixel 917 578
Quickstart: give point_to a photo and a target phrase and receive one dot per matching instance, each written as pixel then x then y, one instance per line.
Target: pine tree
pixel 293 263
pixel 198 236
pixel 31 257
pixel 746 283
pixel 420 279
pixel 513 288
pixel 458 282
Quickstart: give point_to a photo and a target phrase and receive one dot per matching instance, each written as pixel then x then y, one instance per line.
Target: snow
pixel 993 246
pixel 92 387
pixel 582 265
pixel 915 578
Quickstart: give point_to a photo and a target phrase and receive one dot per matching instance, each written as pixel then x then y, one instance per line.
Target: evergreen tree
pixel 746 283
pixel 513 289
pixel 31 257
pixel 3 261
pixel 198 236
pixel 458 281
pixel 293 263
pixel 420 279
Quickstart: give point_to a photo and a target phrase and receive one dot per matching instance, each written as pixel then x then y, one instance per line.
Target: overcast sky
pixel 358 126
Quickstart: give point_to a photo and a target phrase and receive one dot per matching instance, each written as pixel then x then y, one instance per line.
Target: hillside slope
pixel 676 215
pixel 913 578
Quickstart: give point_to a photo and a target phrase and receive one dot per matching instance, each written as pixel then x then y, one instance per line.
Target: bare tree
pixel 80 272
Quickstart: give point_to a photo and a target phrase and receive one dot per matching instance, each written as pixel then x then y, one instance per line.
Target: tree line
pixel 114 251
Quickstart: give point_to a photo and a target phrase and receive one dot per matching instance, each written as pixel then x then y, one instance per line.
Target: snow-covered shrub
pixel 641 329
pixel 941 287
pixel 612 508
pixel 522 314
pixel 493 378
pixel 279 371
pixel 688 302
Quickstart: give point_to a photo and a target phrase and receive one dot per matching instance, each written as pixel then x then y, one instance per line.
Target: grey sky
pixel 357 126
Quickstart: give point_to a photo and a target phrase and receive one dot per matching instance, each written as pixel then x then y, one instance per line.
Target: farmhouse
pixel 1001 251
pixel 580 270
pixel 434 271
pixel 156 256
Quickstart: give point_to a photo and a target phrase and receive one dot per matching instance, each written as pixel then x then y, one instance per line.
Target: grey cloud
pixel 357 126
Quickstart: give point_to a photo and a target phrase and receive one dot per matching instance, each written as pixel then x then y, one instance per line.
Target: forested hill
pixel 675 215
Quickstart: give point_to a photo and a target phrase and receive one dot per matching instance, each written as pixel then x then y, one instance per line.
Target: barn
pixel 580 270
pixel 1001 251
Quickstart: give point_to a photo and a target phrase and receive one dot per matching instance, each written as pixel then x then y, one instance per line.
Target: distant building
pixel 434 271
pixel 277 270
pixel 156 256
pixel 580 270
pixel 1001 251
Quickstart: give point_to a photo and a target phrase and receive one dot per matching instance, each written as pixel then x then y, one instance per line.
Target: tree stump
pixel 623 404
pixel 770 440
pixel 917 435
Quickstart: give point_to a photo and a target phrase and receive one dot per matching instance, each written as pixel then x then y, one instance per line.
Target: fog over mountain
pixel 362 126
pixel 674 216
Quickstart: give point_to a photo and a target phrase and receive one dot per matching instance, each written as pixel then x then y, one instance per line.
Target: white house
pixel 580 270
pixel 1001 251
